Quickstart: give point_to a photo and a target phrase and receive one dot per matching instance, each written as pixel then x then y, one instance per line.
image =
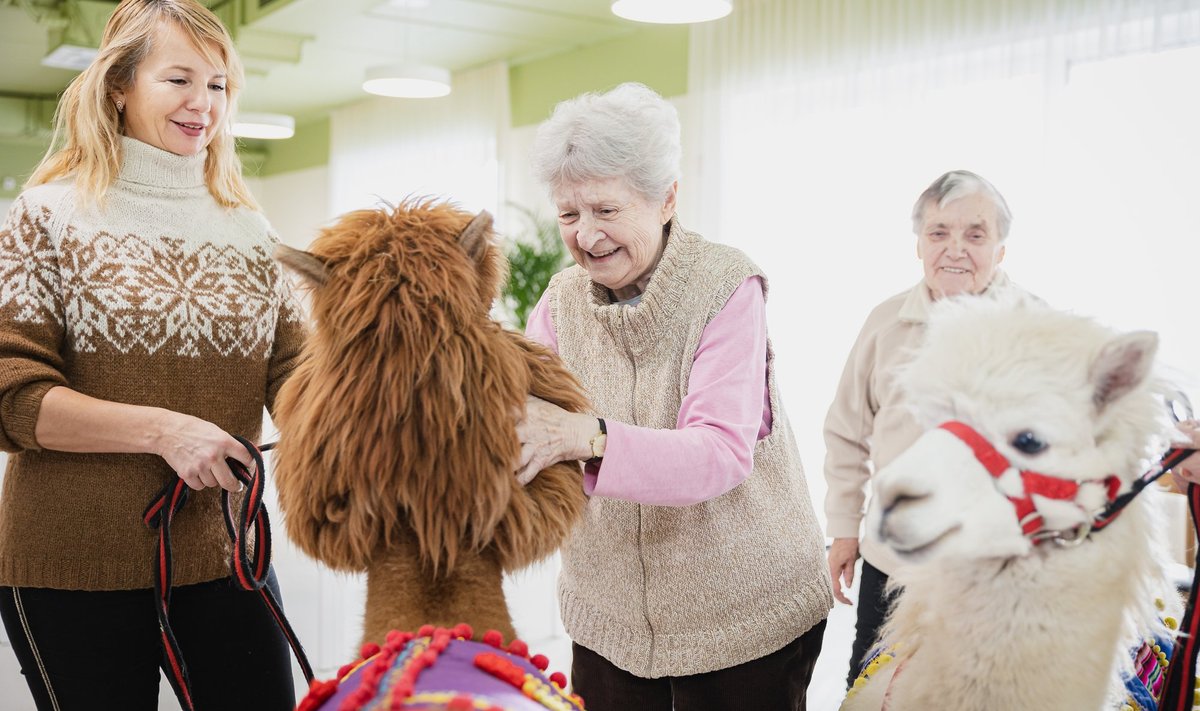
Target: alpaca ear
pixel 309 266
pixel 474 237
pixel 1122 365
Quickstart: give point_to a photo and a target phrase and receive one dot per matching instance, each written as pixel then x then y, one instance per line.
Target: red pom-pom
pixel 559 679
pixel 429 657
pixel 493 639
pixel 463 630
pixel 403 690
pixel 461 702
pixel 369 649
pixel 518 648
pixel 397 639
pixel 318 692
pixel 539 661
pixel 346 669
pixel 425 631
pixel 501 668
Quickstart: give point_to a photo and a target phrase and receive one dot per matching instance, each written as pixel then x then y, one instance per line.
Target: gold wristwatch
pixel 598 441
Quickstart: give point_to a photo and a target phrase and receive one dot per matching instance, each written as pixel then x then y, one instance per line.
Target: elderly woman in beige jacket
pixel 695 581
pixel 961 222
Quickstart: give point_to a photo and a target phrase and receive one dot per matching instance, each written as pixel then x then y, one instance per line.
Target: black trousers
pixel 873 607
pixel 776 682
pixel 101 650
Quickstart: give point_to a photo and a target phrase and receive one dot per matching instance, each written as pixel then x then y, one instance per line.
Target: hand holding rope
pixel 250 568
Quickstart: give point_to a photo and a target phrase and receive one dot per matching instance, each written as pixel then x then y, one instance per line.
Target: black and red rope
pixel 1180 688
pixel 250 568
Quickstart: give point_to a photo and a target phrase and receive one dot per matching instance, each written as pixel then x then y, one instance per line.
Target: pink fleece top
pixel 727 409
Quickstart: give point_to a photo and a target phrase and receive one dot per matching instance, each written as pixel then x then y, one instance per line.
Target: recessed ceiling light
pixel 672 11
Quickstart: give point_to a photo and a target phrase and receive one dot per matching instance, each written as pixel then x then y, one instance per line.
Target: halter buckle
pixel 1068 538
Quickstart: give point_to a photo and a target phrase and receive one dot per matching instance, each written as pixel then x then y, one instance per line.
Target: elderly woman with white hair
pixel 961 222
pixel 697 579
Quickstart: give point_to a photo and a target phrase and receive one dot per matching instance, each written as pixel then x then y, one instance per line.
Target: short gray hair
pixel 960 183
pixel 629 132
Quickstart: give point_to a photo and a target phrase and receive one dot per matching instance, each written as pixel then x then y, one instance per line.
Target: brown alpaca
pixel 397 432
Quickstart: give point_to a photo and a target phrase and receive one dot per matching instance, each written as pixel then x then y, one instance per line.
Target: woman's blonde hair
pixel 87 125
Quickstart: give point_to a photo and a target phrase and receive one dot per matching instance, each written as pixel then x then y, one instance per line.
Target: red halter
pixel 1032 483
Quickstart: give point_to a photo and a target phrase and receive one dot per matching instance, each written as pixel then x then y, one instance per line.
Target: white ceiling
pixel 339 39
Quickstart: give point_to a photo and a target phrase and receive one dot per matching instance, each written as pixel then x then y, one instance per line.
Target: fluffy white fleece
pixel 987 621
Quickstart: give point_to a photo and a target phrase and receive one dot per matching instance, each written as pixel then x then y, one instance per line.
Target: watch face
pixel 598 443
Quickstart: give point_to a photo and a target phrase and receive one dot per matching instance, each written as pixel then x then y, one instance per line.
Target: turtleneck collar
pixel 143 164
pixel 643 319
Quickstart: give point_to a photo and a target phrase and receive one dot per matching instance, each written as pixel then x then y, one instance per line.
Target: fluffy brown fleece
pixel 397 432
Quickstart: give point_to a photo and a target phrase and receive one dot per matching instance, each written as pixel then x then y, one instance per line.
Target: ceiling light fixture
pixel 70 56
pixel 410 81
pixel 271 126
pixel 672 11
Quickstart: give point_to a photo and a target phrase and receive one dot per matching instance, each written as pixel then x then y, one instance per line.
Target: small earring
pixel 120 106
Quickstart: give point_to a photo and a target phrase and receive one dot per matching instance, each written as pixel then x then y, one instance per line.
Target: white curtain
pixel 390 149
pixel 823 120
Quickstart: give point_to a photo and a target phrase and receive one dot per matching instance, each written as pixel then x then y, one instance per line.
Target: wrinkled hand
pixel 1188 471
pixel 549 434
pixel 197 449
pixel 842 554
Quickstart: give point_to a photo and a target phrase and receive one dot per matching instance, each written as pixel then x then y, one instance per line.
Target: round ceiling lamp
pixel 672 11
pixel 271 126
pixel 410 81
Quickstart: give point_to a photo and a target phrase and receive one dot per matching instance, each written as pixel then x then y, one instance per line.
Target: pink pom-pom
pixel 464 631
pixel 493 638
pixel 539 661
pixel 369 649
pixel 425 631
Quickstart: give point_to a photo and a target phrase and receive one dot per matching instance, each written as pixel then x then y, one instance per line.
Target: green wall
pixel 656 56
pixel 17 161
pixel 309 148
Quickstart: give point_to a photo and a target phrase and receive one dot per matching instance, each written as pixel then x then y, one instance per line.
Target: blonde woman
pixel 142 321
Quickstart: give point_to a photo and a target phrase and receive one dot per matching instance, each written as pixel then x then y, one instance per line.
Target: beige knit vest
pixel 671 591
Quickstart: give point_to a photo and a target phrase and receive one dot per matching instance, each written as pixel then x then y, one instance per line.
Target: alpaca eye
pixel 1028 442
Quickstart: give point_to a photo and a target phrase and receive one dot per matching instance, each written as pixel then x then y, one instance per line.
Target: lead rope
pixel 1180 689
pixel 249 570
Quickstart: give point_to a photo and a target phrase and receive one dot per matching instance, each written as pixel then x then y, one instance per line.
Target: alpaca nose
pixel 892 500
pixel 892 504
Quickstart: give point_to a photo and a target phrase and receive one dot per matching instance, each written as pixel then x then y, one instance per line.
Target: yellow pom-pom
pixel 884 658
pixel 1170 622
pixel 859 682
pixel 1158 602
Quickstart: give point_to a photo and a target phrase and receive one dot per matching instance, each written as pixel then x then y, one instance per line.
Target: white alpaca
pixel 987 619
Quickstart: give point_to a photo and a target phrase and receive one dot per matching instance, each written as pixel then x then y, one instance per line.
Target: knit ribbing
pixel 671 591
pixel 160 298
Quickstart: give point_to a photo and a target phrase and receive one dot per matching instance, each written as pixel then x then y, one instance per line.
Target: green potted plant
pixel 533 257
